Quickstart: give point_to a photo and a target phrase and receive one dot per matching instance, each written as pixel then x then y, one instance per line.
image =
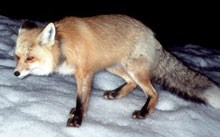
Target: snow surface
pixel 39 106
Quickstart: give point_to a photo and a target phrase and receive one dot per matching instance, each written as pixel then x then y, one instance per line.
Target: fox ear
pixel 47 36
pixel 25 25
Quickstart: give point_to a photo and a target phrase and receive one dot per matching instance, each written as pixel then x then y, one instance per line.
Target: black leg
pixel 83 94
pixel 76 115
pixel 112 94
pixel 141 114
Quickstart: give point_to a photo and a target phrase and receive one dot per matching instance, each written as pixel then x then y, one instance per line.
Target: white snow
pixel 39 106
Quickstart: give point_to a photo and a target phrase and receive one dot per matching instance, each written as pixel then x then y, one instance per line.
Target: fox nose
pixel 16 73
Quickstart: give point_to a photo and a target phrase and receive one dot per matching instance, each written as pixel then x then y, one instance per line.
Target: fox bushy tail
pixel 185 82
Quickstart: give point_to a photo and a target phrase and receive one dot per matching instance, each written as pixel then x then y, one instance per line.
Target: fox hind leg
pixel 141 76
pixel 149 106
pixel 125 88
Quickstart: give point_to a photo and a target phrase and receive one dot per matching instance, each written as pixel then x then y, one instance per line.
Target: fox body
pixel 120 44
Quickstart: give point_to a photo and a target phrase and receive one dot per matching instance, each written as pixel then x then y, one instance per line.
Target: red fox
pixel 122 45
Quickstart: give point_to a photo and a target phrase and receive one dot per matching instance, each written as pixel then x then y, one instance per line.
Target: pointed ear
pixel 47 36
pixel 25 25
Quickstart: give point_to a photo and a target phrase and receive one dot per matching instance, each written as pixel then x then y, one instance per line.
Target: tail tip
pixel 212 96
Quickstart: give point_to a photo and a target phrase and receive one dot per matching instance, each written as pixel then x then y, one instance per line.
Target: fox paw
pixel 139 115
pixel 72 112
pixel 74 122
pixel 109 95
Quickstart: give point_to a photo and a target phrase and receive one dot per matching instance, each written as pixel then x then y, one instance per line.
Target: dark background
pixel 174 23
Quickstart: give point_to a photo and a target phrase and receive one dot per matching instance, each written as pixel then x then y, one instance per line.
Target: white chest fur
pixel 66 69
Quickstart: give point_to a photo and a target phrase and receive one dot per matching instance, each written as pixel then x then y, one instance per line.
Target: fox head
pixel 33 53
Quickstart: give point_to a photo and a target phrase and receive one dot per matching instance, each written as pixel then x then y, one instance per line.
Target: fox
pixel 120 44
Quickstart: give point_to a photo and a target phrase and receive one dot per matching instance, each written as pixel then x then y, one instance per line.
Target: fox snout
pixel 21 73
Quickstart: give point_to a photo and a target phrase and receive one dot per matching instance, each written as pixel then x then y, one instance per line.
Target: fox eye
pixel 17 57
pixel 30 58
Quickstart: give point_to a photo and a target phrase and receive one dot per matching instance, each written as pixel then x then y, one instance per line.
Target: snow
pixel 39 106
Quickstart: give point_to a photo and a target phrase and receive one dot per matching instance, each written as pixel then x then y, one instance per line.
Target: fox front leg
pixel 83 94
